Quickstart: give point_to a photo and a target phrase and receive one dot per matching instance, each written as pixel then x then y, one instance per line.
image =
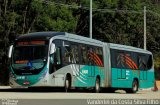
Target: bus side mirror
pixel 52 49
pixel 10 51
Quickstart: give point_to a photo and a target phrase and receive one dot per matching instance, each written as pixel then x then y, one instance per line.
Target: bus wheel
pixel 134 88
pixel 97 85
pixel 67 85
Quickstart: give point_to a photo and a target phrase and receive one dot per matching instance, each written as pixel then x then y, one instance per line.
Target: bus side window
pixel 83 54
pixel 70 53
pixel 113 58
pixel 77 54
pixel 58 56
pixel 149 62
pixel 130 61
pixel 98 54
pixel 142 62
pixel 67 53
pixel 90 56
pixel 74 53
pixel 120 59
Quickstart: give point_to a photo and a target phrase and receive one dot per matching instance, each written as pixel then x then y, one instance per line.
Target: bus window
pixel 149 62
pixel 130 62
pixel 67 52
pixel 83 54
pixel 67 55
pixel 77 54
pixel 123 60
pixel 113 58
pixel 117 59
pixel 90 56
pixel 70 53
pixel 99 56
pixel 74 53
pixel 120 59
pixel 57 56
pixel 142 62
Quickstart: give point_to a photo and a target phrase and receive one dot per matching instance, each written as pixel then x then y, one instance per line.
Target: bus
pixel 61 59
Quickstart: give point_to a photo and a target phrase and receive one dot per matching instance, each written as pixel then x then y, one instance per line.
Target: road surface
pixel 41 95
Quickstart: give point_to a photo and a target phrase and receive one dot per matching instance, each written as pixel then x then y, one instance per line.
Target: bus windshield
pixel 29 56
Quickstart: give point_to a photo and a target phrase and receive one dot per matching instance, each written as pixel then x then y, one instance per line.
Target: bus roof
pixel 40 35
pixel 50 34
pixel 128 48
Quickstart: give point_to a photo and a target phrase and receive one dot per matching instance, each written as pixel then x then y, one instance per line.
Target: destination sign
pixel 37 42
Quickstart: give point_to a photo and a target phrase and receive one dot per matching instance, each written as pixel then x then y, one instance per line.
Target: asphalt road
pixel 58 97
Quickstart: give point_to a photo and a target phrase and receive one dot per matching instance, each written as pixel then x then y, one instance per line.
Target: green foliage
pixel 157 66
pixel 56 18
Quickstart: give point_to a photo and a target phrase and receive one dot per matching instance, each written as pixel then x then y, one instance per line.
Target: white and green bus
pixel 60 59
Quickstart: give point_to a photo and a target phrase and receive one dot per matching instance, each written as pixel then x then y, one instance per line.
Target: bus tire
pixel 134 88
pixel 67 84
pixel 97 85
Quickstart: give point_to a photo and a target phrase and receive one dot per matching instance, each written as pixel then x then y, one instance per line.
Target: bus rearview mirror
pixel 10 51
pixel 52 50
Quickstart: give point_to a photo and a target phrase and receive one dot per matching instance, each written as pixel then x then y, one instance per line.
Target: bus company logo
pixel 85 72
pixel 9 102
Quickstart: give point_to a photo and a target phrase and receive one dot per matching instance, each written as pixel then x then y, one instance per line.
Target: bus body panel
pixel 147 79
pixel 28 80
pixel 123 78
pixel 87 76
